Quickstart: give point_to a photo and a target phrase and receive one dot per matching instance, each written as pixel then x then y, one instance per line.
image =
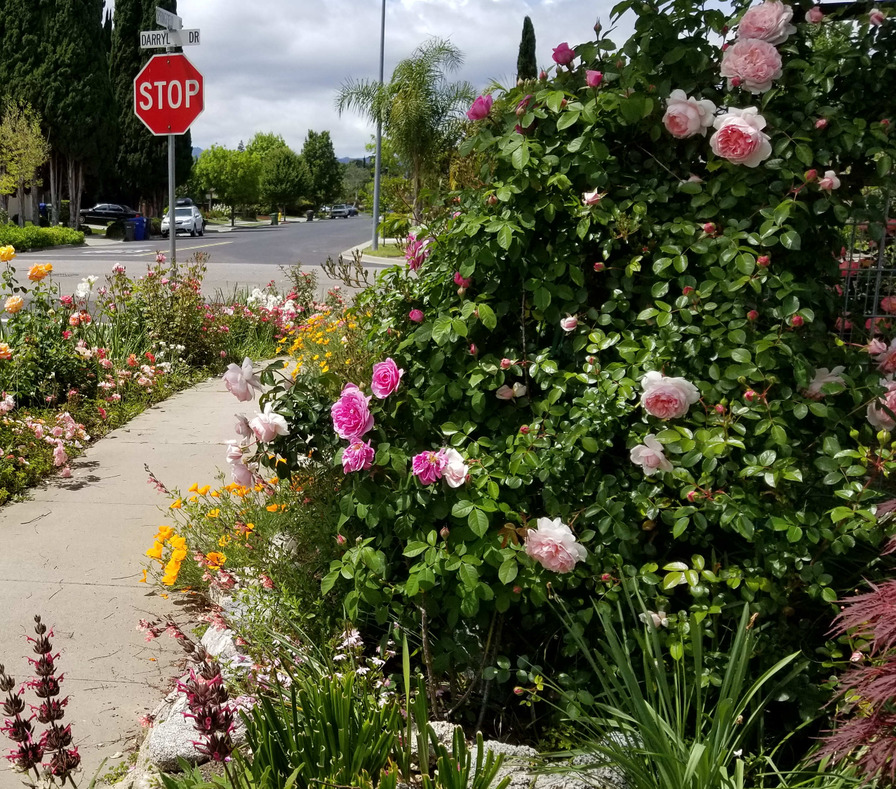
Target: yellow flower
pixel 193 499
pixel 272 508
pixel 156 551
pixel 215 560
pixel 143 578
pixel 193 488
pixel 14 304
pixel 5 352
pixel 204 490
pixel 178 543
pixel 213 513
pixel 176 505
pixel 7 254
pixel 225 538
pixel 215 494
pixel 178 556
pixel 39 270
pixel 165 533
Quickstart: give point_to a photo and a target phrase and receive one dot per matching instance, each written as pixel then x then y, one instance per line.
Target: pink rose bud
pixel 518 690
pixel 492 200
pixel 735 82
pixel 461 291
pixel 856 657
pixel 885 122
pixel 692 495
pixel 811 175
pixel 473 349
pixel 605 577
pixel 461 281
pixel 752 315
pixel 524 429
pixel 720 409
pixel 340 540
pixel 687 290
pixel 814 15
pixel 444 532
pixel 569 323
pixel 796 321
pixel 709 228
pixel 821 123
pixel 600 266
pixel 593 78
pixel 750 395
pixel 563 103
pixel 590 359
pixel 763 261
pixel 517 589
pixel 542 75
pixel 876 17
pixel 506 364
pixel 416 316
pixel 725 46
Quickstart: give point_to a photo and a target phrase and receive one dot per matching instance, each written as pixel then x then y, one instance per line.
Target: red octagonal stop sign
pixel 168 94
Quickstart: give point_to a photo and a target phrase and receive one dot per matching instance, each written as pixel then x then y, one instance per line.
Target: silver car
pixel 187 219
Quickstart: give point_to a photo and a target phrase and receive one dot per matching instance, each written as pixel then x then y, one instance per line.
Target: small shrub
pixel 32 237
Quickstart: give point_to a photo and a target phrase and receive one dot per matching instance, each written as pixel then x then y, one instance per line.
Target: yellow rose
pixel 7 254
pixel 5 352
pixel 14 304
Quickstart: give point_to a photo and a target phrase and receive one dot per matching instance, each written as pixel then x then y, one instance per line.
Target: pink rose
pixel 686 116
pixel 242 426
pixel 357 456
pixel 240 380
pixel 667 398
pixel 884 355
pixel 386 377
pixel 824 376
pixel 455 470
pixel 429 466
pixel 593 78
pixel 461 281
pixel 569 323
pixel 739 137
pixel 563 55
pixel 888 304
pixel 267 425
pixel 554 546
pixel 416 316
pixel 416 251
pixel 875 414
pixel 650 456
pixel 769 21
pixel 821 123
pixel 240 473
pixel 876 17
pixel 592 198
pixel 755 63
pixel 480 109
pixel 829 182
pixel 507 393
pixel 814 15
pixel 351 414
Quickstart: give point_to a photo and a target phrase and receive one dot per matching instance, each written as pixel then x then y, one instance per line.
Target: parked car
pixel 187 219
pixel 103 213
pixel 339 212
pixel 352 211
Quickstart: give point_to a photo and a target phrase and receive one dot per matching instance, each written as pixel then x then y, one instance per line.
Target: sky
pixel 277 65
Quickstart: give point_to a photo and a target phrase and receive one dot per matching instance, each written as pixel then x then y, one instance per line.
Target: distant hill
pixel 196 152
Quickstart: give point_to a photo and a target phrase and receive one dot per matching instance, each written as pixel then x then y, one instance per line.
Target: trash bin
pixel 140 228
pixel 310 216
pixel 130 230
pixel 273 217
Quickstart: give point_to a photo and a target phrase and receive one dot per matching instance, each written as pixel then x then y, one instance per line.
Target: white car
pixel 187 219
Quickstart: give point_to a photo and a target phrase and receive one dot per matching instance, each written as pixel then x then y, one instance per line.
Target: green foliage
pixel 232 175
pixel 526 64
pixel 323 168
pixel 32 237
pixel 284 178
pixel 23 149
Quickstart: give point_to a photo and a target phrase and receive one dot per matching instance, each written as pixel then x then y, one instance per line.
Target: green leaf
pixel 505 237
pixel 487 316
pixel 478 522
pixel 804 153
pixel 508 570
pixel 462 508
pixel 790 240
pixel 520 157
pixel 567 119
pixel 469 575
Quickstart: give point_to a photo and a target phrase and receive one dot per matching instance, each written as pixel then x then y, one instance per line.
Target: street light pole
pixel 379 139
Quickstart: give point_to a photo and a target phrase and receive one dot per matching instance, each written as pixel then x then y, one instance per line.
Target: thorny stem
pixel 427 659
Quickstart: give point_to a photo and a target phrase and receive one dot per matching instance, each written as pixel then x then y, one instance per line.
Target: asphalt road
pixel 238 258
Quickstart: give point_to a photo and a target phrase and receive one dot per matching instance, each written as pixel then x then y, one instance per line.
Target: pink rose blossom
pixel 686 116
pixel 429 466
pixel 241 380
pixel 650 456
pixel 769 21
pixel 667 398
pixel 888 304
pixel 240 473
pixel 569 323
pixel 461 281
pixel 351 414
pixel 268 425
pixel 563 55
pixel 821 123
pixel 357 456
pixel 480 109
pixel 753 62
pixel 885 355
pixel 506 363
pixel 829 182
pixel 554 546
pixel 507 393
pixel 592 198
pixel 416 251
pixel 242 426
pixel 416 316
pixel 876 17
pixel 386 377
pixel 822 377
pixel 876 414
pixel 455 470
pixel 739 137
pixel 60 458
pixel 814 15
pixel 593 78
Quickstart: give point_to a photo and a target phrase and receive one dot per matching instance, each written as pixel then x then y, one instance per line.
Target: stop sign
pixel 168 94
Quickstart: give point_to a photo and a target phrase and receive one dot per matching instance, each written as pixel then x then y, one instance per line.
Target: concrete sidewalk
pixel 74 553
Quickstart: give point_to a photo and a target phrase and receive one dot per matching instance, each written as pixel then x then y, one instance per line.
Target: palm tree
pixel 421 111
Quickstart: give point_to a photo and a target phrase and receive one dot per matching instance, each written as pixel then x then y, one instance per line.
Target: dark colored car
pixel 103 213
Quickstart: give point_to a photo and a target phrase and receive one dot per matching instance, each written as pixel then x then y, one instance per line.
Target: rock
pixel 220 644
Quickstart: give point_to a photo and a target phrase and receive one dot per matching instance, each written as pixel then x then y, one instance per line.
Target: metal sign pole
pixel 172 226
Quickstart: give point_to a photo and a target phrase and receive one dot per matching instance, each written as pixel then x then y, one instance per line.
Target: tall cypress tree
pixel 526 66
pixel 142 159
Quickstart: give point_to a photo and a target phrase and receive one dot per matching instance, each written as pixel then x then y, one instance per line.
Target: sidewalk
pixel 74 554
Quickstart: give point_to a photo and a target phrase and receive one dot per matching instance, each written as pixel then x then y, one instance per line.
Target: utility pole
pixel 379 141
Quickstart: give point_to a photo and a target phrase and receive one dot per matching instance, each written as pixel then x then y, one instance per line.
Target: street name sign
pixel 168 94
pixel 154 39
pixel 169 20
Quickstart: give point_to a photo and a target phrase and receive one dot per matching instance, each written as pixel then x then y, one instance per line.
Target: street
pixel 238 258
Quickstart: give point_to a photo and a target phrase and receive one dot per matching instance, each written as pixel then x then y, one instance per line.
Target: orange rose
pixel 5 352
pixel 39 270
pixel 14 304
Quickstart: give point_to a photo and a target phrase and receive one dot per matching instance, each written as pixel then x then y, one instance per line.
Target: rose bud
pixel 752 315
pixel 821 123
pixel 506 364
pixel 796 321
pixel 763 261
pixel 600 266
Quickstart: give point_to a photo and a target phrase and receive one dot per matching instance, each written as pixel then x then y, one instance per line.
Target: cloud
pixel 276 66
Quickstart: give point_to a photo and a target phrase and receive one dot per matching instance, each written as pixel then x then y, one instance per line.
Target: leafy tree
pixel 355 178
pixel 526 65
pixel 421 112
pixel 323 167
pixel 265 143
pixel 23 149
pixel 232 175
pixel 284 178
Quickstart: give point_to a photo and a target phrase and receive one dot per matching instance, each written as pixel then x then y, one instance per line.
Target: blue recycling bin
pixel 139 228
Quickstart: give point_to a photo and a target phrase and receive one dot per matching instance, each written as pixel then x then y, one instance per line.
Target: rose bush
pixel 703 278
